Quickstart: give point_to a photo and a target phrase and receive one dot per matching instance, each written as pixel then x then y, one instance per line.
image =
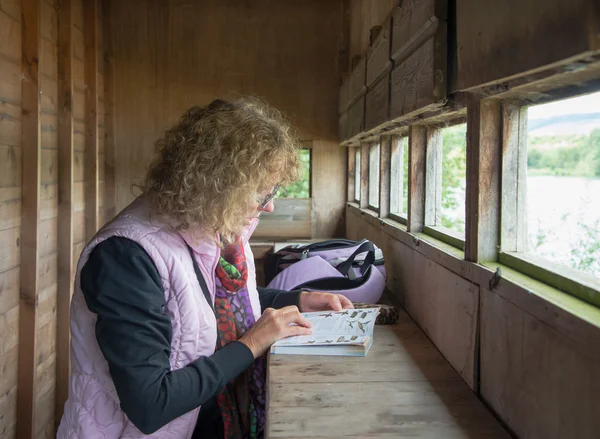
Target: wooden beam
pixel 433 178
pixel 30 216
pixel 65 206
pixel 513 235
pixel 484 146
pixel 385 160
pixel 397 174
pixel 351 173
pixel 364 175
pixel 90 34
pixel 110 191
pixel 417 141
pixel 327 189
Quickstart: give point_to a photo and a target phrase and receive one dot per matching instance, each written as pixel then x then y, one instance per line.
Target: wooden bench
pixel 403 388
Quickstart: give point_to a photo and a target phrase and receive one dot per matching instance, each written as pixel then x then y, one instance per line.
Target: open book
pixel 348 332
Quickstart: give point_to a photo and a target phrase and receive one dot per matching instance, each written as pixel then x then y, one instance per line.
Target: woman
pixel 168 327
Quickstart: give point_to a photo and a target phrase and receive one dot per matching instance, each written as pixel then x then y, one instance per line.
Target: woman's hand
pixel 314 301
pixel 274 325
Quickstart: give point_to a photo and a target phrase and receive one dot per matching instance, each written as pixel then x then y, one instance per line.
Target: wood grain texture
pixel 385 161
pixel 398 145
pixel 161 51
pixel 502 27
pixel 484 156
pixel 377 103
pixel 90 33
pixel 344 99
pixel 12 8
pixel 356 118
pixel 419 50
pixel 378 54
pixel 433 178
pixel 364 175
pixel 10 37
pixel 414 22
pixel 351 180
pixel 364 15
pixel 417 144
pixel 10 166
pixel 10 126
pixel 327 189
pixel 30 230
pixel 374 173
pixel 290 219
pixel 65 206
pixel 8 386
pixel 513 234
pixel 536 379
pixel 443 303
pixel 418 83
pixel 10 210
pixel 343 127
pixel 404 387
pixel 358 86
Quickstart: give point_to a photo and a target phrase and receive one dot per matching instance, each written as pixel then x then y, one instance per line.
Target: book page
pixel 323 340
pixel 337 327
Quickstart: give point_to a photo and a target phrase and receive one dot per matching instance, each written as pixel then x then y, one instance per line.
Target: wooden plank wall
pixel 79 155
pixel 554 31
pixel 168 56
pixel 364 15
pixel 45 354
pixel 530 357
pixel 10 209
pixel 443 304
pixel 546 373
pixel 406 70
pixel 29 209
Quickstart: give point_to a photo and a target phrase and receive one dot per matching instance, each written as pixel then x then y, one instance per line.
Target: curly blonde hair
pixel 210 166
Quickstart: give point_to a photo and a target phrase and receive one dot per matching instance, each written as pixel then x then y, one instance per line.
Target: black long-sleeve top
pixel 122 286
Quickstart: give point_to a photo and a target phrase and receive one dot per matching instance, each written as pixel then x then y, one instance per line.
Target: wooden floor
pixel 403 388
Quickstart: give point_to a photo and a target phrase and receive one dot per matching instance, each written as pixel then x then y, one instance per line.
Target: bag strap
pixel 201 281
pixel 367 246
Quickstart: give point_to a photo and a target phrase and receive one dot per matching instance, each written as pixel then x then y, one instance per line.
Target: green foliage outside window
pixel 572 155
pixel 454 172
pixel 300 188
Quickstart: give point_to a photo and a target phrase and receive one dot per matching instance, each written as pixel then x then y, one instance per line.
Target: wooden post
pixel 385 160
pixel 514 179
pixel 397 174
pixel 484 146
pixel 90 17
pixel 364 175
pixel 417 139
pixel 351 173
pixel 65 208
pixel 433 178
pixel 110 190
pixel 30 215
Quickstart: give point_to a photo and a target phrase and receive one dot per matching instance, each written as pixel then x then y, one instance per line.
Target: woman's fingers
pixel 346 303
pixel 334 302
pixel 293 315
pixel 295 330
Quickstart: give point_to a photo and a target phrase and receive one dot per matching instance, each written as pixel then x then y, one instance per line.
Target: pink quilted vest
pixel 92 409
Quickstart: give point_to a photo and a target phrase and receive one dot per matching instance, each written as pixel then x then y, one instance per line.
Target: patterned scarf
pixel 242 402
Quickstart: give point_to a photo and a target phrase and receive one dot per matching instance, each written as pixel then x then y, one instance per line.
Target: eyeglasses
pixel 266 200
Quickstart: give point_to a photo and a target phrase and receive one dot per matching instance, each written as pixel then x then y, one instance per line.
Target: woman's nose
pixel 268 208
